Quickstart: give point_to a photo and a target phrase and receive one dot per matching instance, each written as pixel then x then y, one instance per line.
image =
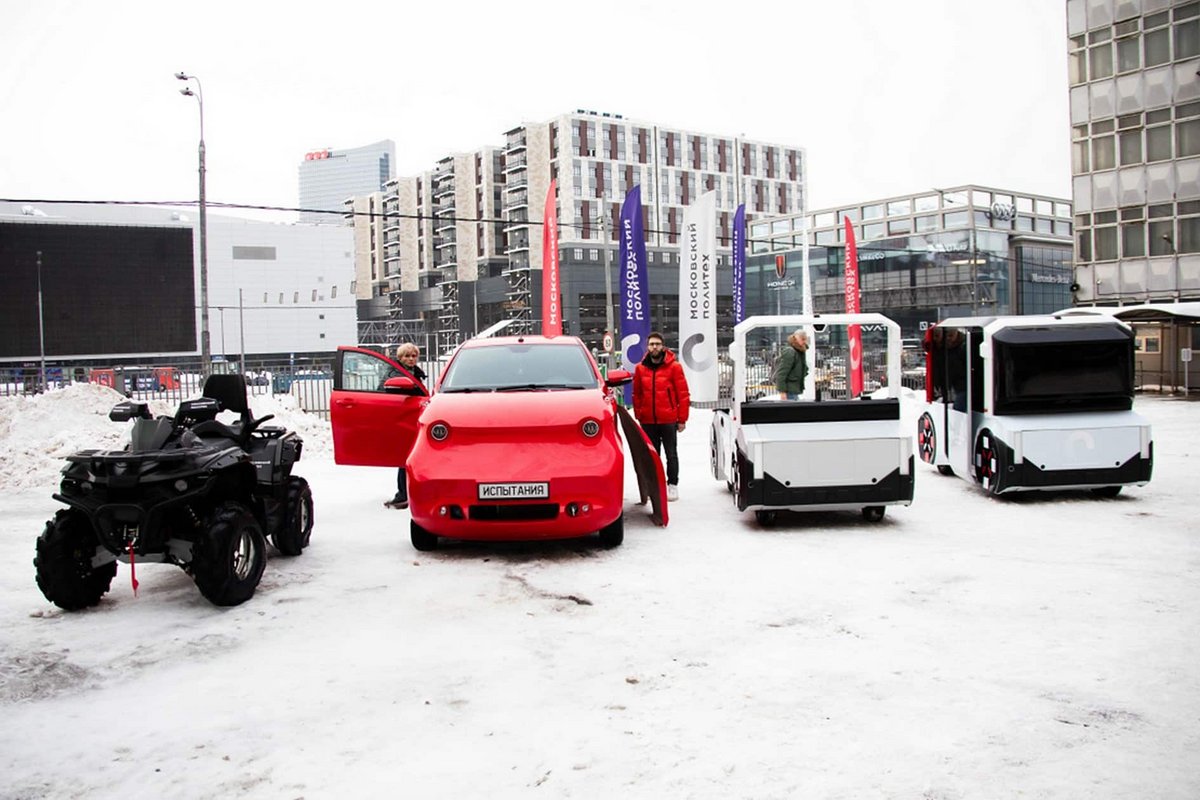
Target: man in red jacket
pixel 661 403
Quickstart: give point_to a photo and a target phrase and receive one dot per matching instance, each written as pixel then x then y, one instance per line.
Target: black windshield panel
pixel 1060 376
pixel 521 367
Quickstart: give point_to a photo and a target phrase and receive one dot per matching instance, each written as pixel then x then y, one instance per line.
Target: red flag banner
pixel 853 332
pixel 551 305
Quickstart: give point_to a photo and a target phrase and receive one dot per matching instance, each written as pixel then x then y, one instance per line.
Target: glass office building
pixel 970 250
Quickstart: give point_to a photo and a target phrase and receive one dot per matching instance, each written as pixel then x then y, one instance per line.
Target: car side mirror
pixel 618 377
pixel 402 384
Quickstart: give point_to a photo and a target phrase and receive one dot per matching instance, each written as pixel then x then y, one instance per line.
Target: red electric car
pixel 518 442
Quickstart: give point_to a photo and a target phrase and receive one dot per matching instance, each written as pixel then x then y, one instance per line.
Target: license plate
pixel 514 491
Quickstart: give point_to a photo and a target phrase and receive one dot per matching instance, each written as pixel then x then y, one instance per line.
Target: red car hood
pixel 518 411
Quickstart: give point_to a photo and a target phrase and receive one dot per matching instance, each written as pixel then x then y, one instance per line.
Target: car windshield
pixel 520 367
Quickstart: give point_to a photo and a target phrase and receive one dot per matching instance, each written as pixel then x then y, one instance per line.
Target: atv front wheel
pixel 229 558
pixel 293 531
pixel 64 563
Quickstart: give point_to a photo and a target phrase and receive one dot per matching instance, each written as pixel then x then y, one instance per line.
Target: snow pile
pixel 38 432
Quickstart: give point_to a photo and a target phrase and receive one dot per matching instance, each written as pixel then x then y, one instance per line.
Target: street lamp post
pixel 608 299
pixel 205 349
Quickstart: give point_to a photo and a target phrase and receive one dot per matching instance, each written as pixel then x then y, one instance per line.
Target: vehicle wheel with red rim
pixel 987 461
pixel 927 438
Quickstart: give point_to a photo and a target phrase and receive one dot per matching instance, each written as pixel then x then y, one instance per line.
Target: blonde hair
pixel 406 348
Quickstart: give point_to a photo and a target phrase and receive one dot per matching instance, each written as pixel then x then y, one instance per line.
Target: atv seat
pixel 230 392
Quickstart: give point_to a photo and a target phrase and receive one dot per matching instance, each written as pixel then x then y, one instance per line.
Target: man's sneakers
pixel 397 502
pixel 672 492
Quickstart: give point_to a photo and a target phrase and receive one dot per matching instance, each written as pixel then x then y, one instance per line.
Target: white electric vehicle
pixel 826 450
pixel 1034 403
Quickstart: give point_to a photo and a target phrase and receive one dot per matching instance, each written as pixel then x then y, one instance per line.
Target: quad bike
pixel 187 490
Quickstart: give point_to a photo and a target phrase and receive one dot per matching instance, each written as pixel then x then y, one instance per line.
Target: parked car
pixel 518 442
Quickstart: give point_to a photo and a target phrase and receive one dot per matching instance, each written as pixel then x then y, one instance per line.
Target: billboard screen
pixel 106 289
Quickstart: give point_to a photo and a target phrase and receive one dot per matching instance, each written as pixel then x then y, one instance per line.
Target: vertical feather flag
pixel 551 305
pixel 635 291
pixel 739 264
pixel 698 297
pixel 853 332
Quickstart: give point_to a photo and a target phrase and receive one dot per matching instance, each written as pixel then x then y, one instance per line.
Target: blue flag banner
pixel 635 292
pixel 739 264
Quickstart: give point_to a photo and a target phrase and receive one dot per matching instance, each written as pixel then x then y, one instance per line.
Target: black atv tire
pixel 293 531
pixel 64 563
pixel 229 557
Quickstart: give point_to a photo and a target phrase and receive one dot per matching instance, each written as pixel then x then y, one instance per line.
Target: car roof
pixel 500 341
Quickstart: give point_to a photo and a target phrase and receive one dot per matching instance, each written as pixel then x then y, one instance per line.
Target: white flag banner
pixel 698 298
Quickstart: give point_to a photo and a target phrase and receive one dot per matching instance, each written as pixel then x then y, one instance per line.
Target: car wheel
pixel 228 559
pixel 765 517
pixel 1106 491
pixel 945 469
pixel 64 563
pixel 873 513
pixel 293 532
pixel 421 539
pixel 612 534
pixel 987 461
pixel 927 438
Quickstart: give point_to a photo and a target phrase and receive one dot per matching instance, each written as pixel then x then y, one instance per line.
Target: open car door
pixel 652 482
pixel 373 409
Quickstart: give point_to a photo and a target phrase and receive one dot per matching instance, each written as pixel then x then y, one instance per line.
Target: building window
pixel 1133 240
pixel 926 223
pixel 1106 243
pixel 1131 147
pixel 1187 138
pixel 956 219
pixel 1157 46
pixel 1080 163
pixel 1085 245
pixel 1103 153
pixel 1100 60
pixel 1158 143
pixel 1162 234
pixel 1128 54
pixel 872 212
pixel 1189 235
pixel 1187 37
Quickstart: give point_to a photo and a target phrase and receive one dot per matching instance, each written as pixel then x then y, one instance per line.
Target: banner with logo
pixel 739 264
pixel 635 291
pixel 853 332
pixel 698 297
pixel 551 303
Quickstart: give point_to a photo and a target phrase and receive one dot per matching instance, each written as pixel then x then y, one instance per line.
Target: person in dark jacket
pixel 792 366
pixel 661 403
pixel 406 355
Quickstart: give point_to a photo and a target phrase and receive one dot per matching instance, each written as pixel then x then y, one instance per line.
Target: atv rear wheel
pixel 229 558
pixel 64 563
pixel 293 531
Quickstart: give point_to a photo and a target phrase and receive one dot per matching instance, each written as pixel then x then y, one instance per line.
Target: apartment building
pixel 462 243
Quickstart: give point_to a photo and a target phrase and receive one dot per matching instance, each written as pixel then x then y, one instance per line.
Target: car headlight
pixel 590 428
pixel 438 431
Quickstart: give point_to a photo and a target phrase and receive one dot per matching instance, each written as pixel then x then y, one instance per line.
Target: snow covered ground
pixel 965 647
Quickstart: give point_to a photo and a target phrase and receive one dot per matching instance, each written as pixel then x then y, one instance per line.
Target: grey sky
pixel 887 97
